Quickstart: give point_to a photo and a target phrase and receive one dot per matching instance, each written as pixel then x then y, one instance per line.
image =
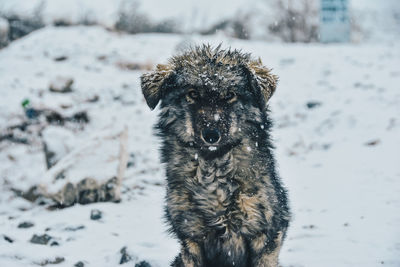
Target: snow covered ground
pixel 337 133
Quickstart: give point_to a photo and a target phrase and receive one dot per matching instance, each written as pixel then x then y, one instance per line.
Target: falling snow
pixel 357 89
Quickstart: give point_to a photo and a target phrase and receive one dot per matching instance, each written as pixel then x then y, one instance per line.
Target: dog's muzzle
pixel 211 136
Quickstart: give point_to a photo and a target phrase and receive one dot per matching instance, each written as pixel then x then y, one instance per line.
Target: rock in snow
pixel 40 239
pixel 61 84
pixel 125 256
pixel 79 264
pixel 77 178
pixel 25 225
pixel 96 215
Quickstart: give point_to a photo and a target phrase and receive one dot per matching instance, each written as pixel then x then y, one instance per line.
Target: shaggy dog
pixel 225 201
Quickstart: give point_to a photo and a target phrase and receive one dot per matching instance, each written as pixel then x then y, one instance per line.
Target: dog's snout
pixel 211 136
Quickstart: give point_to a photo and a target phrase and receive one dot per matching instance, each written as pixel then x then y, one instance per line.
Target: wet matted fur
pixel 225 202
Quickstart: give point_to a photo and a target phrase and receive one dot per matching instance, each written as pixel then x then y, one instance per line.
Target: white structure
pixel 334 21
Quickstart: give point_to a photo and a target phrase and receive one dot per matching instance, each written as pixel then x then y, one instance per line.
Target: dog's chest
pixel 219 194
pixel 216 195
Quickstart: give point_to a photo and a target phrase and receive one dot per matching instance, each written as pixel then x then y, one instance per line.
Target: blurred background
pixel 81 183
pixel 269 20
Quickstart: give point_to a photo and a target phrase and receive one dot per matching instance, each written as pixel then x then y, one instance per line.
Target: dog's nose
pixel 211 136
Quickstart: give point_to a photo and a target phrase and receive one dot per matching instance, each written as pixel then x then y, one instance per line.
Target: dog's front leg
pixel 261 255
pixel 190 256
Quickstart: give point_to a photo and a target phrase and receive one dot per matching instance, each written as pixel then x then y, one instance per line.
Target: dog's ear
pixel 262 80
pixel 152 84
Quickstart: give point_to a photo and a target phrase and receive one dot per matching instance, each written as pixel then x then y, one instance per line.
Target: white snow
pixel 212 148
pixel 339 160
pixel 97 158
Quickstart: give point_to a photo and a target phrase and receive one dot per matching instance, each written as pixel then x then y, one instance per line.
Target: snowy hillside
pixel 337 128
pixel 372 20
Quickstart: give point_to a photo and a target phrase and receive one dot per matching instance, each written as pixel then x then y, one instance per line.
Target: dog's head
pixel 210 98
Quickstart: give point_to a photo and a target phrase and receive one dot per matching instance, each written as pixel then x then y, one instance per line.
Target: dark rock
pixel 60 176
pixel 61 23
pixel 88 191
pixel 40 239
pixel 79 264
pixel 108 190
pixel 313 104
pixel 54 244
pixel 32 194
pixel 125 257
pixel 25 225
pixel 67 197
pixel 80 117
pixel 96 215
pixel 8 239
pixel 143 264
pixel 131 161
pixel 373 142
pixel 57 260
pixel 11 138
pixel 60 58
pixel 74 228
pixel 54 117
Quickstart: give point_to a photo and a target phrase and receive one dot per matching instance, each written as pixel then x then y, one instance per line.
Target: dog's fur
pixel 225 201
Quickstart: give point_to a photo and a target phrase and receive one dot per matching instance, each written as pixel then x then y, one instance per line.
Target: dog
pixel 225 201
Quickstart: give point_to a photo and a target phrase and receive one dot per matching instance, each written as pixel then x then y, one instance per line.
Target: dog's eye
pixel 230 96
pixel 193 95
